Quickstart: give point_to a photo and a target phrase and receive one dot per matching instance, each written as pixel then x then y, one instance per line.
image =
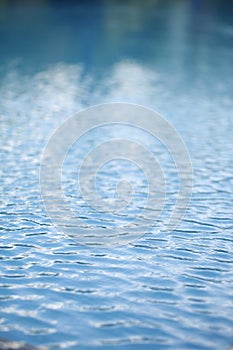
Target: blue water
pixel 165 290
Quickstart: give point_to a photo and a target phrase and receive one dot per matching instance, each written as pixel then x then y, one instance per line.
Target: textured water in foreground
pixel 164 291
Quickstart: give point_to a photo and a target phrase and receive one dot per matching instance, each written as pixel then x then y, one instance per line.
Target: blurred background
pixel 184 46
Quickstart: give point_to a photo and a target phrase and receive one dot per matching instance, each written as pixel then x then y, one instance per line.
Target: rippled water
pixel 165 290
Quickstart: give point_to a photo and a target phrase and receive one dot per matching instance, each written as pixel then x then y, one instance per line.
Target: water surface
pixel 165 290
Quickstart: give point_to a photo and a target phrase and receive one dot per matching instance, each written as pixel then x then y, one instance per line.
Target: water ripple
pixel 165 290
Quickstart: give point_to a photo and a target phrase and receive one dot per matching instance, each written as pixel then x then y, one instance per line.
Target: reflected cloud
pixel 37 104
pixel 131 81
pixel 53 94
pixel 62 89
